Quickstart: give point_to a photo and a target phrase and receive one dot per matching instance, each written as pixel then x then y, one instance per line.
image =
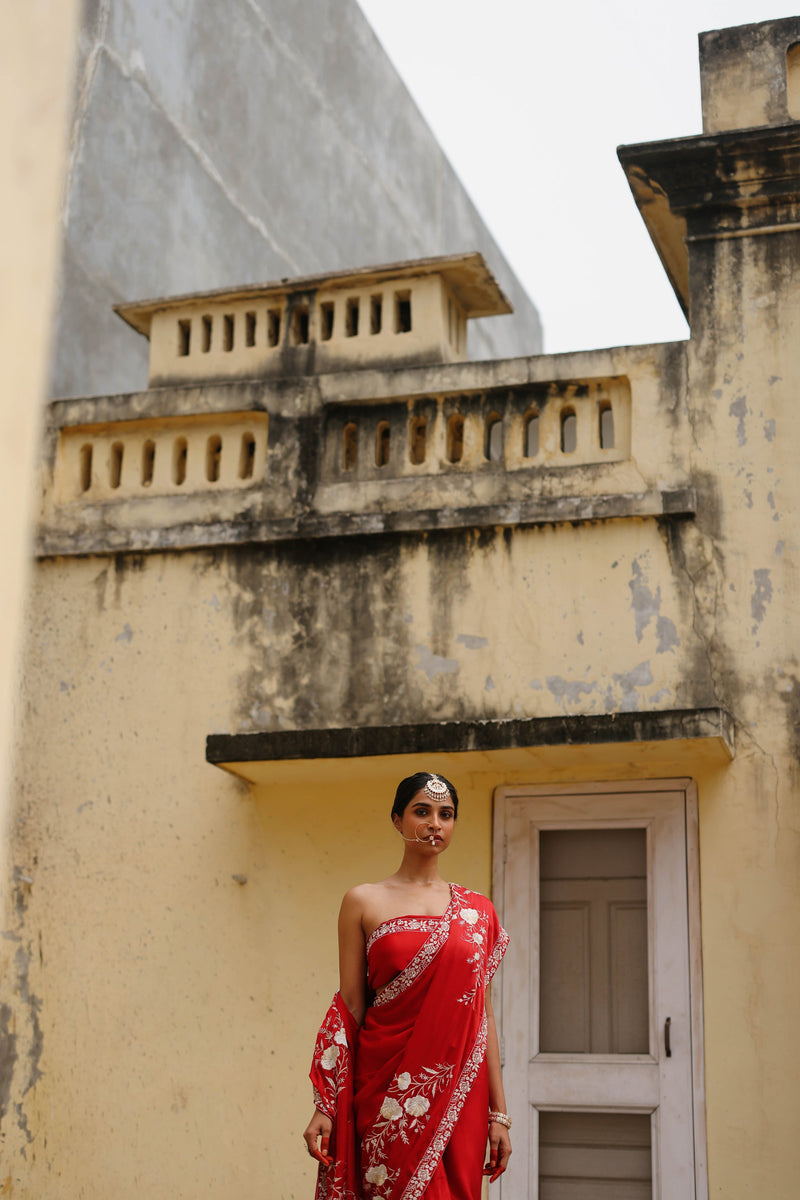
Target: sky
pixel 529 102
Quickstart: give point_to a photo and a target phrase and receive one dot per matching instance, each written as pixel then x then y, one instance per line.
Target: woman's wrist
pixel 500 1118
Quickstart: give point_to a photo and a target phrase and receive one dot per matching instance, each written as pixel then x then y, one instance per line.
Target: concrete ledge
pixel 689 724
pixel 105 539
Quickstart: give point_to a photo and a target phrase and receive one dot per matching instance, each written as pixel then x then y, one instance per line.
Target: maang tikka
pixel 436 789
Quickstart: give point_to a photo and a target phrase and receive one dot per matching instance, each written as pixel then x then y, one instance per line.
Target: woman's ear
pixel 396 821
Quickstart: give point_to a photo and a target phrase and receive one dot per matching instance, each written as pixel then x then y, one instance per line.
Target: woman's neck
pixel 416 869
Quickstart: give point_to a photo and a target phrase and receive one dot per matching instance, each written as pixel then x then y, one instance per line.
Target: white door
pixel 600 1004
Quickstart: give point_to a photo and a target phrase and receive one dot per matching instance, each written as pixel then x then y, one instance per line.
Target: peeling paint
pixel 644 603
pixel 667 635
pixel 641 676
pixel 738 409
pixel 472 641
pixel 435 664
pixel 769 429
pixel 567 691
pixel 126 635
pixel 761 595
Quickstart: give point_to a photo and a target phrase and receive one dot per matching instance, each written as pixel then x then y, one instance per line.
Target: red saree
pixel 408 1092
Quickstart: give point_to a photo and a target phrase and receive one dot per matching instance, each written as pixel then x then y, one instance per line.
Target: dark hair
pixel 408 788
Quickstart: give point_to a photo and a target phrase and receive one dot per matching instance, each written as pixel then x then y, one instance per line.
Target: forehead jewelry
pixel 436 789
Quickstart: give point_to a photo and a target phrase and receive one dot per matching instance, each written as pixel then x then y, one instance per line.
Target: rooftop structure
pixel 404 314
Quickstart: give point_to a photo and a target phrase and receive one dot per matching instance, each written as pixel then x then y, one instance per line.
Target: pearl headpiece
pixel 437 789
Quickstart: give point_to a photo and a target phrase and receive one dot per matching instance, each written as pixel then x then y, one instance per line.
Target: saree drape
pixel 408 1092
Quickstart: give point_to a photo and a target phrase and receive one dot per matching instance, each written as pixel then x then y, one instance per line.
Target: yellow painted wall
pixel 169 1008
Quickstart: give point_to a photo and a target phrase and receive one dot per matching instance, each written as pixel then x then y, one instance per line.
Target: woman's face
pixel 428 822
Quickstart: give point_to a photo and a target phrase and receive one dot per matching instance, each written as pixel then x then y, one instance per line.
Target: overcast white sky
pixel 529 101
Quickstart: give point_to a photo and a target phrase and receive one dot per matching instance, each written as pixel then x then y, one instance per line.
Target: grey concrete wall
pixel 224 143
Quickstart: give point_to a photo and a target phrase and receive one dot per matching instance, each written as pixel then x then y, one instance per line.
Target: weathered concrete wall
pixel 218 144
pixel 172 933
pixel 35 87
pixel 169 1018
pixel 744 554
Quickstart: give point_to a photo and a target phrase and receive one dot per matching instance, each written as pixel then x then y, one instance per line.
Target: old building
pixel 325 548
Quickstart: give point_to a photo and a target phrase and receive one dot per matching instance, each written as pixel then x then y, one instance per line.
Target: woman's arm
pixel 353 955
pixel 499 1139
pixel 353 991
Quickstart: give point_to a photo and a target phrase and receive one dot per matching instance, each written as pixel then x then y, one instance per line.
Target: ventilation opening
pixel 326 322
pixel 300 327
pixel 402 312
pixel 569 432
pixel 418 441
pixel 213 457
pixel 382 436
pixel 606 427
pixel 148 462
pixel 184 338
pixel 493 439
pixel 273 326
pixel 351 319
pixel 179 456
pixel 227 332
pixel 250 329
pixel 530 441
pixel 247 456
pixel 115 466
pixel 455 438
pixel 349 445
pixel 452 328
pixel 375 313
pixel 793 81
pixel 86 467
pixel 206 326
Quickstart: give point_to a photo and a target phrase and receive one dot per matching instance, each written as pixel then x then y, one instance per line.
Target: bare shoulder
pixel 366 903
pixel 360 898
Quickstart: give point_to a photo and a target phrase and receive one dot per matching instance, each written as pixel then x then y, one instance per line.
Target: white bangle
pixel 499 1118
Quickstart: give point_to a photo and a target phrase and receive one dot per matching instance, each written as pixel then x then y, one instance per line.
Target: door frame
pixel 617 787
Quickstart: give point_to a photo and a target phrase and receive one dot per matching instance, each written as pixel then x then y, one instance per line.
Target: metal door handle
pixel 667 1043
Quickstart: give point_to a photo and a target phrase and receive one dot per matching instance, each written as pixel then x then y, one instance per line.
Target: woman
pixel 406 1068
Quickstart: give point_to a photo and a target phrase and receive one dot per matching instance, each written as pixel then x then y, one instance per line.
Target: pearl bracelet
pixel 499 1118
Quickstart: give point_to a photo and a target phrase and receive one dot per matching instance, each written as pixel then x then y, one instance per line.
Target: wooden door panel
pixel 595 893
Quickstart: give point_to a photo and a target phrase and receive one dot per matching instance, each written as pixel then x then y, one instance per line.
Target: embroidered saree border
pixel 423 958
pixel 402 925
pixel 432 1156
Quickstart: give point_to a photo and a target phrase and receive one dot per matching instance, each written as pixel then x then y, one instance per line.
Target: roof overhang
pixel 466 275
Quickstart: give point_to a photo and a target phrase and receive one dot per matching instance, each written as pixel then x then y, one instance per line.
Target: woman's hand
pixel 319 1127
pixel 499 1151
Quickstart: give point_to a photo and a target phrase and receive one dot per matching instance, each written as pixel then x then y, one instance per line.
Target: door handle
pixel 667 1041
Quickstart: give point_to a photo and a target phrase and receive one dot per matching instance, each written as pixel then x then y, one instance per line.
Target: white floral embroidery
pixel 395 1121
pixel 377 1174
pixel 470 915
pixel 329 1057
pixel 427 1165
pixel 402 925
pixel 477 939
pixel 340 1037
pixel 391 1110
pixel 403 1081
pixel 417 1106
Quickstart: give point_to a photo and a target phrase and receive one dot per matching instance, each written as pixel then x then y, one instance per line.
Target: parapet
pixel 750 75
pixel 403 314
